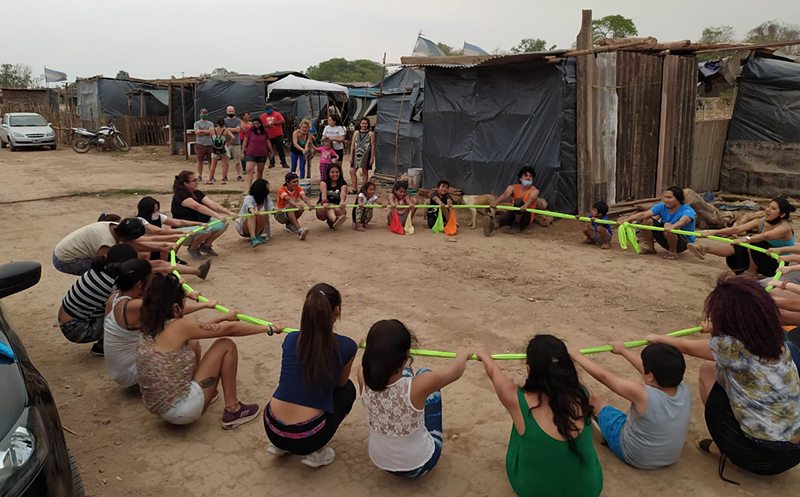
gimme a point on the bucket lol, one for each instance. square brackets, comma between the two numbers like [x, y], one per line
[305, 183]
[415, 177]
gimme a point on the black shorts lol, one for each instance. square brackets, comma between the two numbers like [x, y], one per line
[739, 262]
[659, 237]
[259, 159]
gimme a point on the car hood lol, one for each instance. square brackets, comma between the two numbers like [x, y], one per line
[30, 129]
[12, 386]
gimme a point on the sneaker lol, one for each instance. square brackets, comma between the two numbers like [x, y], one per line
[199, 179]
[204, 267]
[255, 242]
[339, 222]
[245, 414]
[291, 229]
[180, 261]
[605, 246]
[285, 166]
[698, 251]
[330, 224]
[276, 451]
[239, 178]
[515, 229]
[322, 457]
[196, 255]
[488, 225]
[97, 349]
[271, 166]
[208, 250]
[303, 233]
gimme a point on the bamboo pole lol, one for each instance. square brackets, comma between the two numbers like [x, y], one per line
[183, 117]
[397, 132]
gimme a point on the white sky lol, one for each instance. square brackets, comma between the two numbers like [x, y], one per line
[159, 39]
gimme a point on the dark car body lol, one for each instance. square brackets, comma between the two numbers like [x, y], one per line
[28, 411]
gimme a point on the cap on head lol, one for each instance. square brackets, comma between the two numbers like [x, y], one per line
[289, 177]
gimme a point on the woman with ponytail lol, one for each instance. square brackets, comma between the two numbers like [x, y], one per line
[550, 452]
[177, 382]
[314, 392]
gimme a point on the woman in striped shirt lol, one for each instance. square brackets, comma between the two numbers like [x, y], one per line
[82, 310]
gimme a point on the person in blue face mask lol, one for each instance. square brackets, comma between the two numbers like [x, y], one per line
[523, 195]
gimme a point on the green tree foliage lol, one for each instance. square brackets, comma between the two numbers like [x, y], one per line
[221, 71]
[448, 50]
[123, 74]
[531, 45]
[716, 34]
[346, 71]
[774, 31]
[17, 76]
[615, 26]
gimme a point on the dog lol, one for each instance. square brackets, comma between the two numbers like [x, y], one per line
[484, 199]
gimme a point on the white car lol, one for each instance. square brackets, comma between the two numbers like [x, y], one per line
[26, 129]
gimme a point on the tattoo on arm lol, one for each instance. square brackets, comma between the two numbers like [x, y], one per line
[212, 327]
[208, 382]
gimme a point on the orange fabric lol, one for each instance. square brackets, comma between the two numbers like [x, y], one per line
[284, 192]
[452, 225]
[518, 194]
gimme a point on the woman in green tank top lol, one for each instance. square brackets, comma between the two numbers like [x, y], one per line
[550, 452]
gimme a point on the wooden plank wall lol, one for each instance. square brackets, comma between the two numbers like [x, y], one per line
[709, 145]
[148, 130]
[639, 91]
[676, 134]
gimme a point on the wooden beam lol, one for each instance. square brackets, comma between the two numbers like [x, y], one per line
[171, 135]
[183, 117]
[458, 59]
[584, 118]
[666, 134]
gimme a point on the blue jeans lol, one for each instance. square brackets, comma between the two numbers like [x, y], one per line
[302, 160]
[433, 422]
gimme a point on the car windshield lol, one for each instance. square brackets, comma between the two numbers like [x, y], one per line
[26, 121]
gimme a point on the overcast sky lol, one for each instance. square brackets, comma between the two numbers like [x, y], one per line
[159, 39]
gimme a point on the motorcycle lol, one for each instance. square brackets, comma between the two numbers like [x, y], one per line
[106, 136]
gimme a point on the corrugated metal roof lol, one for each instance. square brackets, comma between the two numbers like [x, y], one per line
[464, 61]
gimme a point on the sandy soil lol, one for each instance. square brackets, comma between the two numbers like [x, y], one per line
[484, 293]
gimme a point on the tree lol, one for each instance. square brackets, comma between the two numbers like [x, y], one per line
[448, 50]
[613, 27]
[774, 31]
[345, 71]
[221, 71]
[123, 74]
[531, 45]
[718, 34]
[17, 76]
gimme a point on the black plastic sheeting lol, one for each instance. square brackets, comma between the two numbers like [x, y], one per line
[767, 105]
[483, 124]
[409, 145]
[215, 95]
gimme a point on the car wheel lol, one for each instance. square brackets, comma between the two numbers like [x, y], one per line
[11, 145]
[77, 481]
[53, 147]
[2, 143]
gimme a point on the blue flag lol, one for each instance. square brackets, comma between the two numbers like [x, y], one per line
[470, 49]
[426, 48]
[51, 76]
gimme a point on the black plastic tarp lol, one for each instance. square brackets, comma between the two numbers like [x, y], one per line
[767, 105]
[408, 108]
[402, 79]
[215, 95]
[483, 124]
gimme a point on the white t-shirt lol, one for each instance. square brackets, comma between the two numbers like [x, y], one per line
[250, 203]
[145, 222]
[84, 243]
[335, 132]
[366, 200]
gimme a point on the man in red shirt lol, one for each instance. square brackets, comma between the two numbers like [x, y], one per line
[273, 121]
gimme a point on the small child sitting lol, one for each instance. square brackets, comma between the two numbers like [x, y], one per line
[651, 434]
[442, 197]
[327, 156]
[600, 236]
[363, 215]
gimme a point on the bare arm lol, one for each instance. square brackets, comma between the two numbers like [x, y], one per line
[509, 191]
[629, 355]
[639, 216]
[210, 203]
[346, 373]
[532, 198]
[735, 230]
[505, 389]
[775, 234]
[371, 147]
[695, 348]
[631, 390]
[428, 382]
[181, 223]
[193, 204]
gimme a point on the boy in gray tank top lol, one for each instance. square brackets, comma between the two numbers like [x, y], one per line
[652, 432]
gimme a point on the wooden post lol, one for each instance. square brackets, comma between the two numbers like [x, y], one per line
[584, 121]
[397, 132]
[183, 117]
[666, 139]
[383, 75]
[171, 133]
[141, 103]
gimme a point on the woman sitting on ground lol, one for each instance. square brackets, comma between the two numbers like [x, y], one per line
[75, 252]
[314, 392]
[123, 319]
[332, 193]
[672, 214]
[177, 382]
[551, 450]
[256, 226]
[80, 316]
[190, 204]
[774, 232]
[749, 384]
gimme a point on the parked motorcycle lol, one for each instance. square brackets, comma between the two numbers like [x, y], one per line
[106, 136]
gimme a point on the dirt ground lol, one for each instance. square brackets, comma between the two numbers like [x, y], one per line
[467, 290]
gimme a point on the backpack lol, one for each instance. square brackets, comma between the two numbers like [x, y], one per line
[218, 143]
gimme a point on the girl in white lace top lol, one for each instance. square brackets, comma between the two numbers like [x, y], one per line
[404, 411]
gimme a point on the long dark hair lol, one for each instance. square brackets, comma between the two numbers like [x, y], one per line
[146, 208]
[181, 178]
[388, 343]
[316, 345]
[259, 191]
[129, 229]
[111, 262]
[553, 373]
[739, 307]
[365, 187]
[676, 192]
[132, 272]
[784, 208]
[260, 129]
[328, 173]
[160, 297]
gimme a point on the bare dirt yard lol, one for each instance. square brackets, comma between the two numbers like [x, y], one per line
[467, 290]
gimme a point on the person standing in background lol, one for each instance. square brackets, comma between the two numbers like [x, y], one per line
[273, 121]
[203, 129]
[234, 124]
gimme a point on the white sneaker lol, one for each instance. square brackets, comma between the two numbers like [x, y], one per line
[303, 233]
[276, 451]
[290, 229]
[322, 457]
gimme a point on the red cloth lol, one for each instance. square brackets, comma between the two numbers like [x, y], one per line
[396, 226]
[266, 120]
